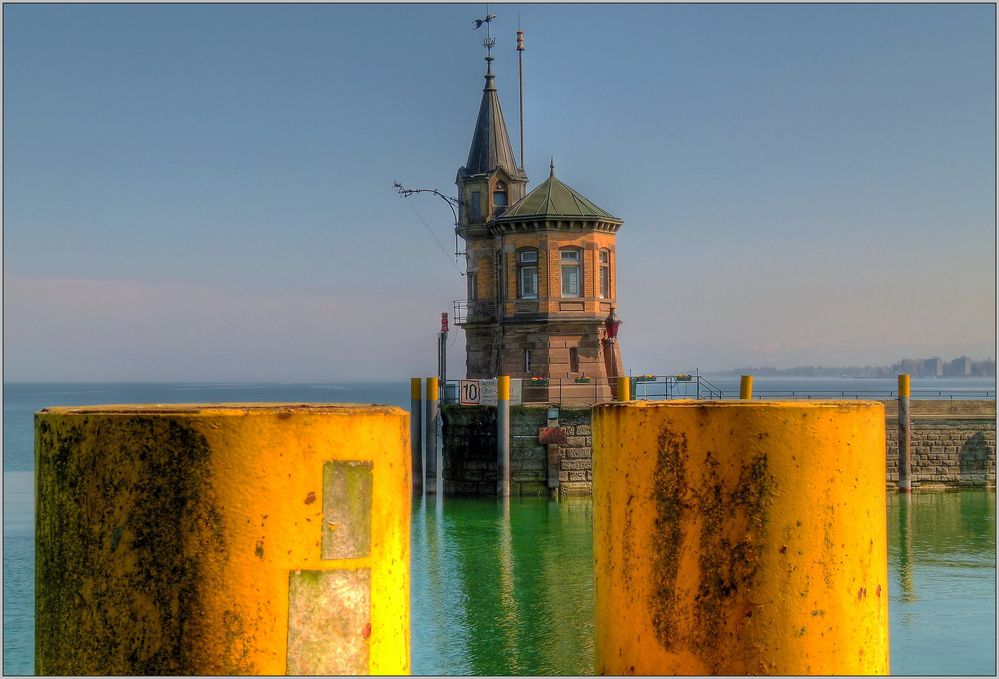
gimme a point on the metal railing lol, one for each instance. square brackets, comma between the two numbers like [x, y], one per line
[568, 390]
[582, 390]
[463, 309]
[872, 394]
[669, 387]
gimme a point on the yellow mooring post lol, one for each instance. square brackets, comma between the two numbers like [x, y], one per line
[416, 430]
[503, 436]
[623, 389]
[740, 537]
[746, 387]
[430, 455]
[222, 539]
[904, 436]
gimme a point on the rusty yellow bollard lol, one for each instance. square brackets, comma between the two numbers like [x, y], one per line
[222, 539]
[740, 538]
[623, 389]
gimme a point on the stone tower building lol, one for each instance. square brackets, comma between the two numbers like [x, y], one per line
[541, 270]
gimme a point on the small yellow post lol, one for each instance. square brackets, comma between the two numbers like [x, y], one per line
[904, 436]
[746, 387]
[623, 389]
[740, 537]
[222, 539]
[904, 386]
[503, 388]
[416, 430]
[432, 425]
[503, 436]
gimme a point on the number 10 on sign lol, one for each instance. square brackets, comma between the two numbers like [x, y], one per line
[469, 392]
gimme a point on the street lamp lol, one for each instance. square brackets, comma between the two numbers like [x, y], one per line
[612, 323]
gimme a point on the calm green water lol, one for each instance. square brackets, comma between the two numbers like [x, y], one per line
[502, 588]
[508, 589]
[942, 582]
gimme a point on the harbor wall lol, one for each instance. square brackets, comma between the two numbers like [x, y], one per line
[470, 450]
[953, 444]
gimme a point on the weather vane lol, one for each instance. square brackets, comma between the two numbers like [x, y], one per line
[489, 42]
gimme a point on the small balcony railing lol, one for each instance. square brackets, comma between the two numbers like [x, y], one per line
[466, 311]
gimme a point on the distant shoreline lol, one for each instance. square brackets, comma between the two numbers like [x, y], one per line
[840, 376]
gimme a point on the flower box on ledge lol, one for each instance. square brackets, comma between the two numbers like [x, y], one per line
[683, 378]
[539, 381]
[645, 378]
[582, 380]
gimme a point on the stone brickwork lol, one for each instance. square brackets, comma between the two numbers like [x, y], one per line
[470, 451]
[576, 456]
[953, 445]
[500, 328]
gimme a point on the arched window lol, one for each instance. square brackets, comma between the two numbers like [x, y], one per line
[571, 269]
[527, 273]
[499, 195]
[605, 274]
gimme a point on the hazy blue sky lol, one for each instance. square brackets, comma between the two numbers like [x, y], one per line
[205, 191]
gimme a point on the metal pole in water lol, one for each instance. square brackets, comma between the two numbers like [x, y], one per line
[416, 429]
[746, 387]
[433, 414]
[904, 436]
[503, 436]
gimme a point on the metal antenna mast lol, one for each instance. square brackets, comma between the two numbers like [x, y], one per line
[520, 66]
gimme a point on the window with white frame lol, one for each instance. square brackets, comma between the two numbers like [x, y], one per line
[527, 274]
[473, 288]
[571, 273]
[605, 274]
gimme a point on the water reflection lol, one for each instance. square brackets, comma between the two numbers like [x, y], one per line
[942, 560]
[506, 587]
[508, 602]
[905, 547]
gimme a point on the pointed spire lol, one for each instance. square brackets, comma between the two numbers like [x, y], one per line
[551, 167]
[491, 146]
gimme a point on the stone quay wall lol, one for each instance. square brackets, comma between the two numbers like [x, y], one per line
[953, 444]
[470, 450]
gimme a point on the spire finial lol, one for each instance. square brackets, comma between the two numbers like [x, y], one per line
[551, 167]
[489, 42]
